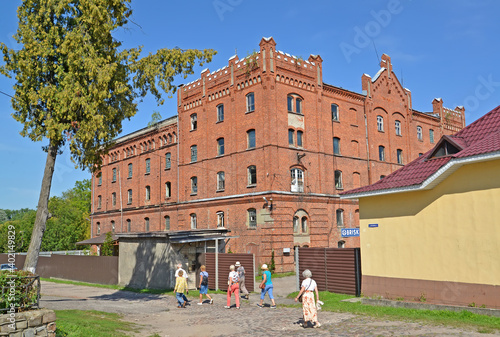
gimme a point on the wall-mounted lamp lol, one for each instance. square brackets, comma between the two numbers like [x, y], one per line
[268, 203]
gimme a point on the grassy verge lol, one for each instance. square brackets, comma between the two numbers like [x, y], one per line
[462, 319]
[278, 275]
[76, 323]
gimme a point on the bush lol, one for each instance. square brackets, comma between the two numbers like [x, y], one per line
[20, 288]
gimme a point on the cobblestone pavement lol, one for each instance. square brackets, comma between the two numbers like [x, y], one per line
[159, 314]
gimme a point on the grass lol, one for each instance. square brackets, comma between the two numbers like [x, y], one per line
[462, 319]
[278, 275]
[76, 323]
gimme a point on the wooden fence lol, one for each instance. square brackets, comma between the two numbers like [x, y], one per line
[224, 261]
[334, 269]
[92, 269]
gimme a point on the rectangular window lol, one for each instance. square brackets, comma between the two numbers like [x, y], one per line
[99, 177]
[290, 103]
[148, 166]
[146, 224]
[251, 139]
[194, 153]
[220, 219]
[298, 105]
[381, 153]
[129, 197]
[397, 125]
[193, 221]
[114, 175]
[299, 138]
[194, 122]
[250, 102]
[291, 133]
[113, 198]
[295, 224]
[148, 193]
[129, 225]
[167, 161]
[431, 136]
[380, 123]
[252, 218]
[130, 171]
[419, 133]
[99, 202]
[167, 223]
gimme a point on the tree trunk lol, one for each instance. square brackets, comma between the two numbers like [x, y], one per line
[42, 212]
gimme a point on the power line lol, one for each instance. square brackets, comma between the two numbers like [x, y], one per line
[1, 92]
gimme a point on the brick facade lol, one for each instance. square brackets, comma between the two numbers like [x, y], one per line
[296, 180]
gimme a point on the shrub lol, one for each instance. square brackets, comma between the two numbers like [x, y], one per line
[20, 289]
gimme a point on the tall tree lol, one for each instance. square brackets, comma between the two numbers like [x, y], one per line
[75, 84]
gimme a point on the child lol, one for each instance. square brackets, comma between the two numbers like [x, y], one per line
[204, 286]
[180, 288]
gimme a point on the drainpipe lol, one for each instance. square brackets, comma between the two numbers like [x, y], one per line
[367, 151]
[121, 199]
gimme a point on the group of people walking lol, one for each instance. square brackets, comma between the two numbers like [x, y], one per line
[236, 284]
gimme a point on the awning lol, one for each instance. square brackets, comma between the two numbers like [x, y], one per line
[200, 239]
[98, 240]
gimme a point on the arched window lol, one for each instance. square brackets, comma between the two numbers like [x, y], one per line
[252, 218]
[399, 155]
[299, 138]
[168, 162]
[380, 123]
[294, 103]
[419, 133]
[167, 223]
[146, 224]
[113, 227]
[304, 227]
[148, 193]
[194, 153]
[336, 145]
[341, 244]
[291, 133]
[168, 189]
[99, 202]
[297, 182]
[129, 225]
[397, 125]
[381, 153]
[129, 197]
[113, 198]
[335, 112]
[113, 179]
[220, 219]
[220, 113]
[148, 166]
[98, 225]
[295, 224]
[194, 185]
[250, 102]
[250, 139]
[99, 179]
[194, 122]
[193, 220]
[221, 181]
[252, 175]
[220, 146]
[340, 217]
[130, 171]
[338, 180]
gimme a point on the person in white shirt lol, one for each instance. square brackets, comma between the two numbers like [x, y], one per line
[179, 268]
[307, 290]
[233, 287]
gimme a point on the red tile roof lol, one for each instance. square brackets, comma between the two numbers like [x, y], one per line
[480, 137]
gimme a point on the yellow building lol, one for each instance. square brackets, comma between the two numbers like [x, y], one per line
[431, 230]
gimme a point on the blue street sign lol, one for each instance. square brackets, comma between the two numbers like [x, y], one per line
[373, 225]
[348, 232]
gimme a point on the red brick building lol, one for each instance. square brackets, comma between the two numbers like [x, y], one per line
[263, 147]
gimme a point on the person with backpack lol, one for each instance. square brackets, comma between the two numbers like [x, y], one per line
[204, 285]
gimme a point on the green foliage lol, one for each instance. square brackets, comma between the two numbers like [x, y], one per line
[69, 223]
[272, 265]
[3, 216]
[76, 323]
[108, 245]
[75, 83]
[155, 118]
[24, 293]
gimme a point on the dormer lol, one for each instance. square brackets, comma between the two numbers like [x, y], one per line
[446, 146]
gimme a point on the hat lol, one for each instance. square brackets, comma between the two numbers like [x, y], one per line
[237, 264]
[264, 266]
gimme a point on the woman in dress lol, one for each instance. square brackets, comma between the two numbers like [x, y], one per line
[307, 290]
[233, 287]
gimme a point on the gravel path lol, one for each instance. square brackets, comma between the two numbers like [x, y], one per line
[159, 314]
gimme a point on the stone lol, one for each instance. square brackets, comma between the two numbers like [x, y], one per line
[29, 333]
[49, 317]
[35, 321]
[21, 324]
[51, 326]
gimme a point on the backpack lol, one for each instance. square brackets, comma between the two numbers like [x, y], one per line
[204, 281]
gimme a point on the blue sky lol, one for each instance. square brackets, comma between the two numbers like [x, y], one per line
[446, 49]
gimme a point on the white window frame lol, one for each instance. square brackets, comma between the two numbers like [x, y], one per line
[335, 112]
[220, 219]
[297, 182]
[380, 123]
[397, 126]
[193, 221]
[419, 133]
[221, 181]
[220, 113]
[250, 100]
